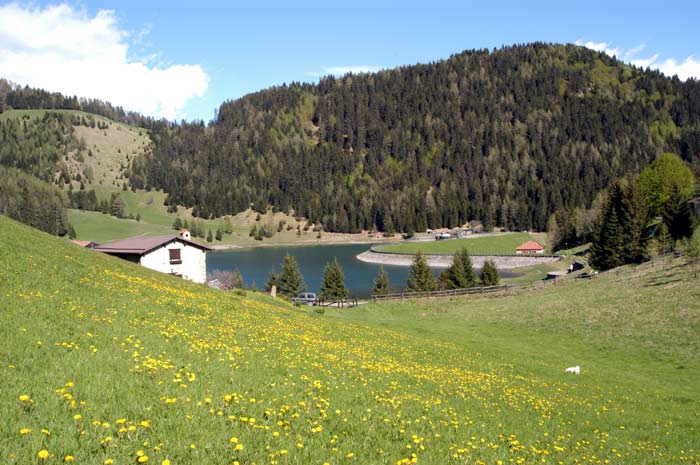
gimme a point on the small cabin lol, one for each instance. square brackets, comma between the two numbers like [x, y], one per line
[530, 248]
[174, 255]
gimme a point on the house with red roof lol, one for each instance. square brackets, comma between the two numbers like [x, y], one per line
[530, 248]
[174, 255]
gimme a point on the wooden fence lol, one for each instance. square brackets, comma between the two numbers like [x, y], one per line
[444, 293]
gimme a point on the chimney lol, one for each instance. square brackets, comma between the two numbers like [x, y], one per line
[185, 234]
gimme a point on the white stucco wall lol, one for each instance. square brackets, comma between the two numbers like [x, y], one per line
[193, 266]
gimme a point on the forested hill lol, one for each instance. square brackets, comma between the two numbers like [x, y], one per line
[506, 137]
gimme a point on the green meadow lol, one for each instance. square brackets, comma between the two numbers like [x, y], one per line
[105, 362]
[497, 244]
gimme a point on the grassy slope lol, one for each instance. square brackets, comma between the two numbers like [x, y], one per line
[118, 359]
[496, 244]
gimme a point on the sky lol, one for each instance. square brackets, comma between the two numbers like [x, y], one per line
[182, 59]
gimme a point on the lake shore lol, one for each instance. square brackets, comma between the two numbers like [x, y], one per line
[444, 261]
[306, 242]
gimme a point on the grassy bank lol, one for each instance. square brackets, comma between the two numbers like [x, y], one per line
[104, 361]
[501, 244]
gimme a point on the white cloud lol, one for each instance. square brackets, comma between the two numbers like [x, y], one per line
[685, 69]
[58, 48]
[343, 70]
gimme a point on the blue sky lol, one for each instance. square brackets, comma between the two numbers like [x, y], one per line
[212, 51]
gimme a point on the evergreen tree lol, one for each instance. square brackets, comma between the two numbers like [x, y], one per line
[219, 234]
[291, 282]
[489, 274]
[177, 224]
[692, 251]
[210, 238]
[460, 274]
[228, 227]
[381, 283]
[633, 221]
[272, 280]
[333, 285]
[678, 214]
[420, 276]
[664, 240]
[607, 248]
[71, 232]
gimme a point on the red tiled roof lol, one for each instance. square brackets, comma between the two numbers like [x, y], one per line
[81, 243]
[143, 244]
[530, 245]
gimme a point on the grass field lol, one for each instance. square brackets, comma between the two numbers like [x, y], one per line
[106, 362]
[482, 245]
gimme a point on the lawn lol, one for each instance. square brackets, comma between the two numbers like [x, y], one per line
[106, 362]
[497, 244]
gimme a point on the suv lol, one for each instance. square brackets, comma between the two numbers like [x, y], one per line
[308, 298]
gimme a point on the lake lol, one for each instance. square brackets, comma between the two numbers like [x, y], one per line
[255, 265]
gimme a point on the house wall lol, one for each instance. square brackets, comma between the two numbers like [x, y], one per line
[193, 266]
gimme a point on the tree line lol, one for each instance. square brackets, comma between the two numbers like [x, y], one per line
[14, 96]
[507, 137]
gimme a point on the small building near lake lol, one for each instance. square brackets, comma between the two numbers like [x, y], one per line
[530, 248]
[168, 254]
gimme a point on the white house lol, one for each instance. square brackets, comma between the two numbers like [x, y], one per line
[168, 254]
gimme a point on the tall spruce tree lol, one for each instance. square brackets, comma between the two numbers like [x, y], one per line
[420, 276]
[291, 281]
[489, 274]
[333, 284]
[664, 240]
[633, 221]
[381, 283]
[607, 248]
[678, 214]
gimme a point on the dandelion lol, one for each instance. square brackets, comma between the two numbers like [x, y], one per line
[68, 458]
[24, 431]
[108, 462]
[24, 398]
[165, 462]
[43, 454]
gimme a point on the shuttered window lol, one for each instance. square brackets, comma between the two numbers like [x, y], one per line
[175, 256]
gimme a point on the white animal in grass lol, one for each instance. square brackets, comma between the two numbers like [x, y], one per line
[575, 370]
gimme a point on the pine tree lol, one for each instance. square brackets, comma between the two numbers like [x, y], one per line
[210, 238]
[381, 283]
[177, 224]
[607, 247]
[692, 251]
[219, 234]
[291, 282]
[678, 215]
[664, 240]
[272, 280]
[420, 277]
[469, 277]
[633, 219]
[333, 285]
[489, 274]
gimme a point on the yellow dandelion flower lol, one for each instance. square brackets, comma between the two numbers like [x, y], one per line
[24, 431]
[142, 459]
[166, 462]
[68, 458]
[24, 398]
[238, 447]
[108, 462]
[77, 417]
[43, 454]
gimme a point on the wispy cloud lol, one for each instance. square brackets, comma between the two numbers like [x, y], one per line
[62, 49]
[684, 69]
[343, 70]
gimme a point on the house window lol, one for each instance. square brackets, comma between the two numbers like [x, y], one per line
[175, 256]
